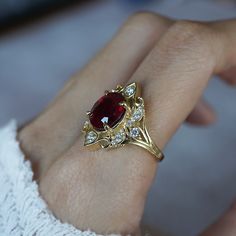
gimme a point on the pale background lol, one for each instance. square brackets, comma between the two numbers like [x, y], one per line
[196, 182]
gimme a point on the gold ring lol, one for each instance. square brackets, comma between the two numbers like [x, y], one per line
[117, 119]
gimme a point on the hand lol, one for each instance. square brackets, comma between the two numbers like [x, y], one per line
[106, 191]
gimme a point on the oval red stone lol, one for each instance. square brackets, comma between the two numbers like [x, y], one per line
[108, 110]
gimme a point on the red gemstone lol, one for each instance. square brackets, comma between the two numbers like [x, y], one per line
[107, 110]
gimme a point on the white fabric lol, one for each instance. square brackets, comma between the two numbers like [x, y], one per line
[22, 210]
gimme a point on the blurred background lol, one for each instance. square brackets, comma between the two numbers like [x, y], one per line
[43, 42]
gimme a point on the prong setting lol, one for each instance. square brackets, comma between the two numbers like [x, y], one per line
[106, 127]
[86, 126]
[88, 113]
[119, 88]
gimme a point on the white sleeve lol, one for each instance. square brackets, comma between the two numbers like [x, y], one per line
[22, 211]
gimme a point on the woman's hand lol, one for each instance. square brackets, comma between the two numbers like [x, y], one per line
[173, 61]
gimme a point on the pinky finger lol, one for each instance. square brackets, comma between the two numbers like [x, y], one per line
[202, 114]
[225, 226]
[229, 76]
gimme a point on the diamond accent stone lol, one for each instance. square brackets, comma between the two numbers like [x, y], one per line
[90, 137]
[138, 114]
[130, 90]
[134, 132]
[130, 123]
[119, 138]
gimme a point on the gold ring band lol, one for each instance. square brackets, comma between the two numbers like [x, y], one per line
[117, 119]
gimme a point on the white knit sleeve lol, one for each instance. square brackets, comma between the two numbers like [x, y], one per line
[22, 211]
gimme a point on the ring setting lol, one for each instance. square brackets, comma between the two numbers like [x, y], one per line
[117, 119]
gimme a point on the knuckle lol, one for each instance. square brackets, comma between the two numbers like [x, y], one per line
[187, 34]
[30, 138]
[190, 26]
[190, 42]
[144, 16]
[26, 137]
[146, 19]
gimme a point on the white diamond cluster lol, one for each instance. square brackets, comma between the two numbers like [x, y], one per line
[133, 131]
[118, 138]
[136, 116]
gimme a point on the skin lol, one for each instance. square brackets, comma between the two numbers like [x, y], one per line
[106, 191]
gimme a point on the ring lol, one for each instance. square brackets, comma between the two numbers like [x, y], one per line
[117, 119]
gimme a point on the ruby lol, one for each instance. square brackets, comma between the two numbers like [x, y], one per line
[107, 109]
